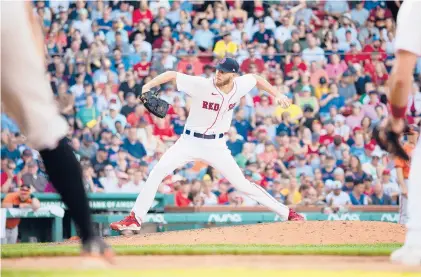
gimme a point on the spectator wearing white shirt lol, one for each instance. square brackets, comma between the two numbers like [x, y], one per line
[389, 187]
[341, 129]
[313, 53]
[209, 198]
[110, 181]
[374, 168]
[105, 74]
[114, 117]
[283, 32]
[237, 32]
[84, 25]
[337, 199]
[139, 46]
[135, 185]
[59, 5]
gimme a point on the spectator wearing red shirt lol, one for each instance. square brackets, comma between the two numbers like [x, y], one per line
[245, 65]
[223, 190]
[182, 196]
[142, 14]
[353, 55]
[297, 62]
[327, 138]
[380, 13]
[164, 130]
[142, 68]
[369, 49]
[166, 36]
[9, 181]
[139, 113]
[190, 61]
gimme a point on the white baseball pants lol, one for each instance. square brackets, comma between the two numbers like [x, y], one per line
[26, 92]
[216, 154]
[413, 235]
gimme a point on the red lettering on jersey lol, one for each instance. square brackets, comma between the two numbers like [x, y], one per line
[231, 106]
[210, 106]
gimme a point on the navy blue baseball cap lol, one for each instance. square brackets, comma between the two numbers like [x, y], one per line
[228, 65]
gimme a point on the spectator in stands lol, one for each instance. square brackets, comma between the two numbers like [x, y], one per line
[292, 194]
[134, 147]
[379, 197]
[32, 179]
[390, 188]
[136, 182]
[349, 184]
[209, 198]
[359, 14]
[100, 160]
[87, 148]
[313, 52]
[10, 181]
[88, 115]
[354, 120]
[110, 181]
[357, 195]
[114, 116]
[91, 183]
[10, 150]
[23, 199]
[338, 200]
[182, 195]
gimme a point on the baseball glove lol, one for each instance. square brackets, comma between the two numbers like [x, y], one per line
[153, 104]
[389, 141]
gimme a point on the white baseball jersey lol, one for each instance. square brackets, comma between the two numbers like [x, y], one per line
[211, 109]
[408, 34]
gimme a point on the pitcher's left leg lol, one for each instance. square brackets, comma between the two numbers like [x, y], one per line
[222, 160]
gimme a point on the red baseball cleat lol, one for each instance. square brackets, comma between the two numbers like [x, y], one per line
[128, 223]
[294, 216]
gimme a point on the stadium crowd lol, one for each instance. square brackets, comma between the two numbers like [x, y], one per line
[331, 58]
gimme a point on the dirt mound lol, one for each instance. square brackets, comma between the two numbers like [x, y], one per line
[285, 233]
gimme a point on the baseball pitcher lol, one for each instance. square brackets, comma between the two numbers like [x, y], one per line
[213, 102]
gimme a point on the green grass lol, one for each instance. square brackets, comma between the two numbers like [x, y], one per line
[48, 250]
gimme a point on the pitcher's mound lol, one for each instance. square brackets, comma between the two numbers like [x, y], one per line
[285, 233]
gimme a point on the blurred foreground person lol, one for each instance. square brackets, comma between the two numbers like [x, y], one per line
[31, 104]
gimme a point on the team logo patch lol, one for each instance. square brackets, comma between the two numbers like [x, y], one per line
[222, 61]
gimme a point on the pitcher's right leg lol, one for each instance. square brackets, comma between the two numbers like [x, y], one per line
[176, 156]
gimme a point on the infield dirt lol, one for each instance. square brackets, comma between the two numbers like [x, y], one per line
[282, 233]
[286, 233]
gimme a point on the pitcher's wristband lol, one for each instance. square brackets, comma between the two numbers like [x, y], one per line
[397, 112]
